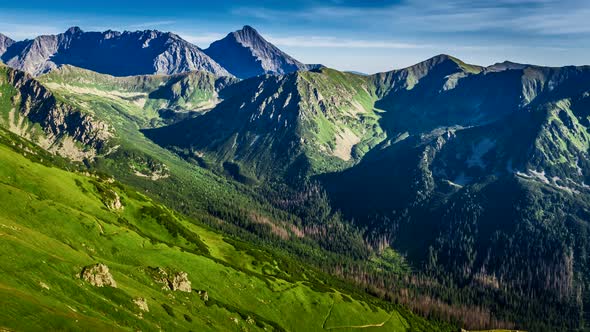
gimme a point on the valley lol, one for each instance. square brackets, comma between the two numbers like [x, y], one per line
[55, 222]
[236, 188]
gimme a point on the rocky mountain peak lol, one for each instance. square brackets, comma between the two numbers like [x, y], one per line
[5, 43]
[248, 28]
[506, 65]
[245, 53]
[74, 31]
[441, 59]
[111, 34]
[110, 52]
[247, 35]
[443, 71]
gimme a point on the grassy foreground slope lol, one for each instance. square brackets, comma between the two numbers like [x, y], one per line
[130, 104]
[55, 222]
[125, 153]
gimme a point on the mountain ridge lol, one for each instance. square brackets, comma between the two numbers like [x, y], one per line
[445, 181]
[307, 120]
[34, 112]
[245, 53]
[5, 43]
[111, 52]
[155, 99]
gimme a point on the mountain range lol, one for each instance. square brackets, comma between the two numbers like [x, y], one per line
[242, 53]
[446, 190]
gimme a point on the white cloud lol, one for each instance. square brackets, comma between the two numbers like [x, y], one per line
[334, 42]
[535, 17]
[151, 24]
[567, 22]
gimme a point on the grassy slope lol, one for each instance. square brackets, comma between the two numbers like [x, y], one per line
[187, 188]
[348, 101]
[55, 222]
[7, 106]
[141, 96]
[275, 125]
[134, 149]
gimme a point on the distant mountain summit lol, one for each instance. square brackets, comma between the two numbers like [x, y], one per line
[506, 65]
[245, 53]
[110, 52]
[5, 43]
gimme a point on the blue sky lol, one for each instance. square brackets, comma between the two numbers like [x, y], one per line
[367, 36]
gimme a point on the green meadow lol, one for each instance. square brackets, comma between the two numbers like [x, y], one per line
[55, 222]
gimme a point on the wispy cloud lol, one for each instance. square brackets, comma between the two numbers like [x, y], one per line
[366, 35]
[533, 17]
[151, 24]
[568, 22]
[540, 17]
[334, 42]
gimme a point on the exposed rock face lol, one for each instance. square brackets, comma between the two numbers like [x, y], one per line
[181, 283]
[62, 124]
[178, 282]
[115, 202]
[5, 43]
[160, 276]
[110, 52]
[98, 275]
[244, 53]
[141, 304]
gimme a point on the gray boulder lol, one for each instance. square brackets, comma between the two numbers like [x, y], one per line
[98, 275]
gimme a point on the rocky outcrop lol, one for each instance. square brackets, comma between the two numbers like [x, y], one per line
[141, 304]
[98, 275]
[111, 52]
[245, 53]
[171, 281]
[160, 276]
[181, 283]
[115, 202]
[109, 197]
[65, 129]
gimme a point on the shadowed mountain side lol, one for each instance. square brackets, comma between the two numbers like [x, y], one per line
[110, 52]
[245, 53]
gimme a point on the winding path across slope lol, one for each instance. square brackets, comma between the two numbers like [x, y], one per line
[353, 326]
